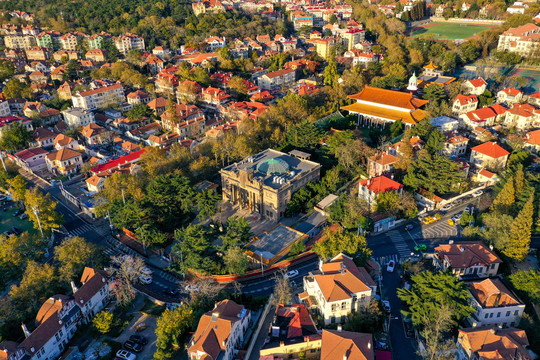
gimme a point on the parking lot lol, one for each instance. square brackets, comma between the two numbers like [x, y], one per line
[8, 221]
[149, 333]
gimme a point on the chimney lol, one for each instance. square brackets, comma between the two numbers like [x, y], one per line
[25, 331]
[461, 248]
[369, 345]
[491, 247]
[74, 287]
[339, 328]
[224, 343]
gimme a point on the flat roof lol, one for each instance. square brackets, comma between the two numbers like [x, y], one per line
[280, 165]
[268, 244]
[327, 201]
[311, 221]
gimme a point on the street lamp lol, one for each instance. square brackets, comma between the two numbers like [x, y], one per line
[36, 211]
[262, 267]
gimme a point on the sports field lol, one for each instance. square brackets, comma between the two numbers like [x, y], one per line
[449, 31]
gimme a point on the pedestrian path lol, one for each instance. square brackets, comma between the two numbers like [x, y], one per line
[81, 230]
[384, 260]
[399, 243]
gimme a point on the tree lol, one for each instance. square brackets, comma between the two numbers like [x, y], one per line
[505, 198]
[368, 318]
[466, 219]
[334, 243]
[396, 128]
[14, 137]
[35, 200]
[172, 326]
[126, 273]
[436, 174]
[528, 282]
[74, 254]
[306, 135]
[297, 247]
[103, 322]
[282, 289]
[431, 291]
[206, 204]
[17, 188]
[195, 247]
[15, 252]
[520, 232]
[238, 85]
[434, 93]
[437, 347]
[7, 70]
[435, 142]
[139, 111]
[235, 260]
[519, 179]
[16, 89]
[238, 232]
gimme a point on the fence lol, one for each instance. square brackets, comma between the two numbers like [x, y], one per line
[467, 21]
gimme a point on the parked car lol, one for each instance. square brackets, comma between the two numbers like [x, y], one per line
[409, 227]
[477, 193]
[16, 230]
[457, 201]
[391, 266]
[291, 274]
[170, 292]
[139, 339]
[140, 327]
[126, 355]
[145, 279]
[146, 271]
[8, 233]
[386, 305]
[447, 207]
[131, 345]
[23, 216]
[408, 327]
[469, 209]
[17, 213]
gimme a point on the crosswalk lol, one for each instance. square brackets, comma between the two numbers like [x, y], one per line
[80, 230]
[384, 260]
[399, 242]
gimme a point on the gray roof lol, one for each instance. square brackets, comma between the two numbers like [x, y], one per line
[76, 111]
[270, 243]
[271, 165]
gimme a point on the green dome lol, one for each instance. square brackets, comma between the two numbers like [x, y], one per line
[273, 166]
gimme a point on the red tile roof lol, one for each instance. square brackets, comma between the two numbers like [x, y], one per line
[491, 149]
[478, 82]
[133, 157]
[466, 99]
[28, 153]
[533, 137]
[511, 91]
[380, 184]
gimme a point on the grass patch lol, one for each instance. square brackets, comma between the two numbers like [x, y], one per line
[8, 221]
[450, 31]
[153, 309]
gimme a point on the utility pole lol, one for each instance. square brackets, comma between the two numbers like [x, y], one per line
[2, 159]
[262, 266]
[123, 197]
[36, 211]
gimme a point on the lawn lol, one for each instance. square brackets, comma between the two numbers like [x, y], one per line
[450, 31]
[7, 221]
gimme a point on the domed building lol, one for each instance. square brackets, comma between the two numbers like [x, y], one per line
[263, 183]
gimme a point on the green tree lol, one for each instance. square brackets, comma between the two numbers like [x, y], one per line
[74, 254]
[103, 322]
[16, 252]
[195, 247]
[206, 204]
[436, 174]
[7, 70]
[297, 247]
[435, 142]
[15, 137]
[139, 111]
[334, 243]
[520, 232]
[466, 219]
[505, 198]
[369, 318]
[396, 128]
[431, 291]
[528, 282]
[49, 219]
[306, 135]
[17, 188]
[16, 89]
[519, 179]
[172, 327]
[330, 71]
[238, 232]
[235, 260]
[434, 93]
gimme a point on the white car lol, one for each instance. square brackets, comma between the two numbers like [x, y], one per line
[127, 258]
[447, 207]
[386, 305]
[192, 288]
[146, 271]
[477, 193]
[291, 274]
[391, 266]
[145, 279]
[124, 354]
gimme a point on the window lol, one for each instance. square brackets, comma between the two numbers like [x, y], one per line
[499, 314]
[491, 315]
[508, 313]
[516, 313]
[486, 316]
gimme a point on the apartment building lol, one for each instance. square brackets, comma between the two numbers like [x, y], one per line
[455, 145]
[99, 98]
[76, 117]
[489, 155]
[19, 41]
[127, 42]
[277, 79]
[524, 40]
[64, 161]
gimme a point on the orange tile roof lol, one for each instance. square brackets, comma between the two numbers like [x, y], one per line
[389, 97]
[463, 255]
[511, 91]
[339, 345]
[524, 110]
[214, 329]
[486, 173]
[491, 149]
[533, 137]
[491, 343]
[492, 293]
[341, 285]
[466, 99]
[63, 154]
[478, 82]
[277, 73]
[157, 103]
[100, 90]
[63, 140]
[381, 184]
[385, 113]
[384, 158]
